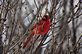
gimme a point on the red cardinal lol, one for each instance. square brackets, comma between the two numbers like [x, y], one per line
[40, 28]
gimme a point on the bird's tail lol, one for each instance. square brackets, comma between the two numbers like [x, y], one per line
[28, 39]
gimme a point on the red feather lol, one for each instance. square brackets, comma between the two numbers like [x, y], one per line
[25, 43]
[40, 28]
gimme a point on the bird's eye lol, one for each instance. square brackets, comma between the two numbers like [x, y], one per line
[44, 18]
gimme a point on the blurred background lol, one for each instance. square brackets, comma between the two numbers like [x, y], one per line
[18, 16]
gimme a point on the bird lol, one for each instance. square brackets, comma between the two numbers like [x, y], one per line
[40, 28]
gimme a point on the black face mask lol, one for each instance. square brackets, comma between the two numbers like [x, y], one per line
[45, 17]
